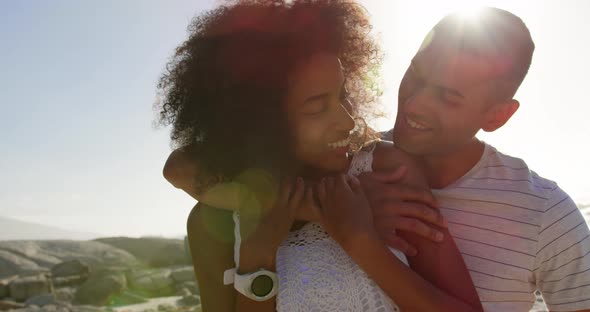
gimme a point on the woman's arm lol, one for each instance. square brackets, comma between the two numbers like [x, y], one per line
[262, 235]
[410, 291]
[346, 215]
[250, 261]
[211, 239]
[440, 263]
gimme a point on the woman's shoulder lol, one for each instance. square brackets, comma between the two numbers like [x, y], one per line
[387, 156]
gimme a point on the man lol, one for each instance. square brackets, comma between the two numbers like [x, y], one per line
[517, 232]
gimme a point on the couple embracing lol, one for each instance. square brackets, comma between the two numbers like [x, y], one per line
[302, 207]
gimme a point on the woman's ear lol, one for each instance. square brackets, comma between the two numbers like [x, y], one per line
[499, 114]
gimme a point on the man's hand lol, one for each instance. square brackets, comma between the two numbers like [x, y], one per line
[401, 207]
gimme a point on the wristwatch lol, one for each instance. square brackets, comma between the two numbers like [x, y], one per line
[258, 286]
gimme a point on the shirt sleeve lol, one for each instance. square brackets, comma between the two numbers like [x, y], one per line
[387, 135]
[562, 263]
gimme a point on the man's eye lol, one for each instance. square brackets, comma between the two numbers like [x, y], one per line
[451, 103]
[447, 98]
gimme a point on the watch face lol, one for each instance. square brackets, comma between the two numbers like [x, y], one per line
[262, 285]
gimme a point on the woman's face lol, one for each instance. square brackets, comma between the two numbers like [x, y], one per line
[318, 114]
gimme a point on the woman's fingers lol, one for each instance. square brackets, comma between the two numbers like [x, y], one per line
[377, 190]
[355, 184]
[309, 202]
[385, 209]
[342, 183]
[387, 225]
[394, 241]
[296, 198]
[321, 191]
[285, 191]
[390, 176]
[330, 183]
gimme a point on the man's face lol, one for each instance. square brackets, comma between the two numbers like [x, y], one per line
[443, 100]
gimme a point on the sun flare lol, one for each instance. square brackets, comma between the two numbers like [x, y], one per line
[470, 12]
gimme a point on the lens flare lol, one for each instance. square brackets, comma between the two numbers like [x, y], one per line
[470, 13]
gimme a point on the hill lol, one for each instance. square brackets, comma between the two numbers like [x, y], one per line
[11, 229]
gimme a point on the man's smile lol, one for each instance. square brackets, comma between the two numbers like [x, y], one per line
[414, 124]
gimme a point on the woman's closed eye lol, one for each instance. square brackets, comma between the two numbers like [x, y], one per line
[315, 106]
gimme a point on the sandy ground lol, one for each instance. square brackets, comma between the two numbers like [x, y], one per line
[153, 304]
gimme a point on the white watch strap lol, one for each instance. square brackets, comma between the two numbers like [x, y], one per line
[229, 274]
[238, 238]
[243, 283]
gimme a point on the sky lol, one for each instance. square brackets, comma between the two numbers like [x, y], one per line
[78, 145]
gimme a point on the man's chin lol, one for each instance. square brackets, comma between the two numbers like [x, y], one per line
[400, 141]
[407, 146]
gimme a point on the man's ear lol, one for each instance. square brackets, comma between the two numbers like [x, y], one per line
[499, 114]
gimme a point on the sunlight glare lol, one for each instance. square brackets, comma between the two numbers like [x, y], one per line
[470, 12]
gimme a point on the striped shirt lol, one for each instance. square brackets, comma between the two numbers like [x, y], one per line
[518, 233]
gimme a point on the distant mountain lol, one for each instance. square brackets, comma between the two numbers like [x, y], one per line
[11, 229]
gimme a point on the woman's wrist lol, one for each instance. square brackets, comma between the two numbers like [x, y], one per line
[252, 259]
[355, 242]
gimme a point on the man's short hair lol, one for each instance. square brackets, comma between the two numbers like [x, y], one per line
[493, 32]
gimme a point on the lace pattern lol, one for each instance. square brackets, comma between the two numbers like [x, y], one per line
[316, 274]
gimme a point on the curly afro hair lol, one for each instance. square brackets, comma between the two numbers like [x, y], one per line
[223, 89]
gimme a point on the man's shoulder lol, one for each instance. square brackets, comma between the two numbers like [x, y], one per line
[510, 171]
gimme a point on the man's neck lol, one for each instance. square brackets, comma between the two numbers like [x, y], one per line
[443, 170]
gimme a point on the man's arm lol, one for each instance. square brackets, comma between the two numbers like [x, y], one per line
[563, 255]
[184, 172]
[181, 171]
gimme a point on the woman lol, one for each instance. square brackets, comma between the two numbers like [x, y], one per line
[257, 94]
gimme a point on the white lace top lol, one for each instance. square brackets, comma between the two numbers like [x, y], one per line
[316, 274]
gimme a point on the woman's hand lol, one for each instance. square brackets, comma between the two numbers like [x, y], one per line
[344, 210]
[402, 207]
[262, 230]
